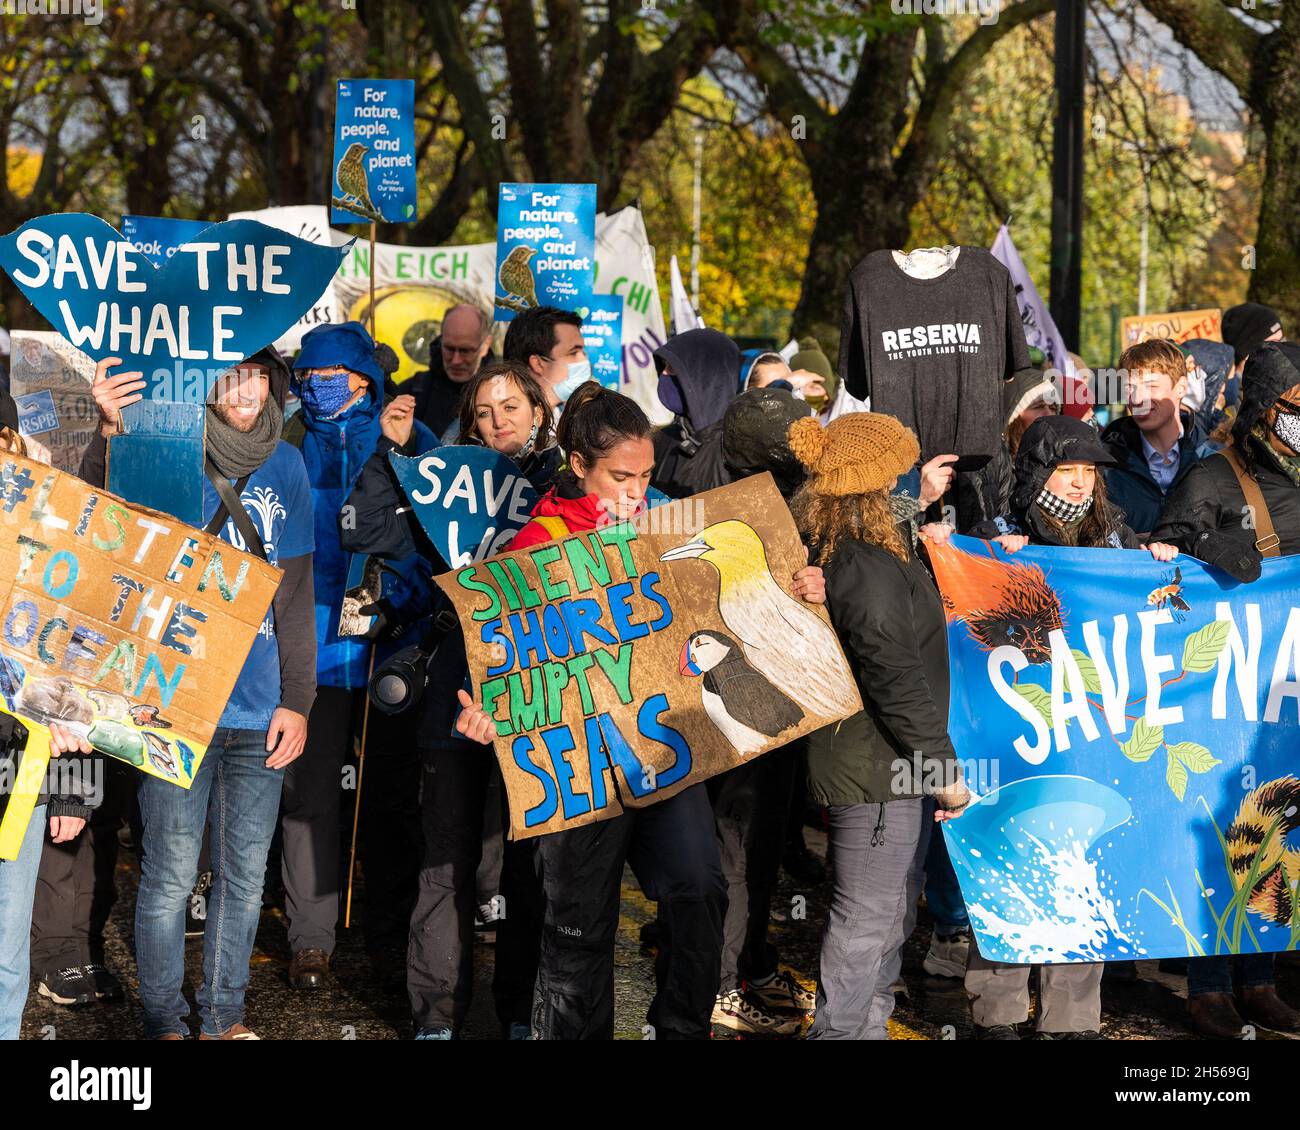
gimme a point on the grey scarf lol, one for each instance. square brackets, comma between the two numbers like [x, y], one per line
[237, 453]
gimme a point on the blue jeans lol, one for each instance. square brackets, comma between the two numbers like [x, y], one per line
[1214, 974]
[17, 892]
[942, 894]
[238, 797]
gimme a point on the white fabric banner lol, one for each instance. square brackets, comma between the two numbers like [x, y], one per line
[415, 286]
[684, 316]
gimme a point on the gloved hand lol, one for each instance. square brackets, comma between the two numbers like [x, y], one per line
[1232, 551]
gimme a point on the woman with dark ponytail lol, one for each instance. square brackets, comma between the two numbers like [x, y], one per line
[672, 845]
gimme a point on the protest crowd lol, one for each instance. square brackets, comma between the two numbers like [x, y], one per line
[936, 418]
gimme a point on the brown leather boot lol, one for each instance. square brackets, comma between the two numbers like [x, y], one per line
[1261, 1005]
[309, 969]
[1215, 1016]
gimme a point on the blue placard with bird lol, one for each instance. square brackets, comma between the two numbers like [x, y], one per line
[374, 151]
[546, 247]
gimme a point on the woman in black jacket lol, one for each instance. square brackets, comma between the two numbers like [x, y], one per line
[877, 770]
[1058, 499]
[504, 408]
[1231, 510]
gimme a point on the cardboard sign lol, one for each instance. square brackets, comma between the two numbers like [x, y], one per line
[157, 238]
[1178, 327]
[217, 301]
[374, 151]
[1132, 728]
[118, 623]
[43, 364]
[602, 334]
[546, 246]
[469, 500]
[626, 663]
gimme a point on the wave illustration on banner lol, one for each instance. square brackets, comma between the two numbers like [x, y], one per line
[1133, 727]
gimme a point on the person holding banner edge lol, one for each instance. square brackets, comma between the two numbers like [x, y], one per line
[1233, 509]
[672, 845]
[1059, 499]
[506, 409]
[264, 726]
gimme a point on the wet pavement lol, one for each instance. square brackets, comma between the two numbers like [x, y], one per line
[355, 1005]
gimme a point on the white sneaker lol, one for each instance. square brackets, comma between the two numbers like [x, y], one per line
[743, 1013]
[948, 955]
[784, 991]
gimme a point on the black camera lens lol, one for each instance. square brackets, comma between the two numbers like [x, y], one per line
[399, 684]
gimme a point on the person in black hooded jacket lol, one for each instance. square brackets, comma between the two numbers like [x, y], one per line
[1211, 516]
[699, 371]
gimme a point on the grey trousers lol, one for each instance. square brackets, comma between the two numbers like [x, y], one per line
[1069, 996]
[310, 822]
[878, 864]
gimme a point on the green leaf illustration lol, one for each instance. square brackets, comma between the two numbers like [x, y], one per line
[1088, 669]
[1038, 698]
[1195, 758]
[1143, 742]
[1176, 775]
[1201, 649]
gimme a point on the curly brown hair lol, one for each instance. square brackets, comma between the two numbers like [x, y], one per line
[827, 520]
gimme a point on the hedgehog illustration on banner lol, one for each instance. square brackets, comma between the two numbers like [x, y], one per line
[1257, 842]
[784, 641]
[1002, 603]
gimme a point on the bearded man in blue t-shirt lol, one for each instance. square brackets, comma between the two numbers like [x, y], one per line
[236, 791]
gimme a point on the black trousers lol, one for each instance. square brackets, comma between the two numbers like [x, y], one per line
[76, 884]
[440, 954]
[750, 806]
[309, 821]
[672, 847]
[390, 841]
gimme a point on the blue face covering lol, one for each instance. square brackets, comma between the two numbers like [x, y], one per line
[579, 374]
[325, 396]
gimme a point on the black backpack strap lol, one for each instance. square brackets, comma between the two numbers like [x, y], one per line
[232, 506]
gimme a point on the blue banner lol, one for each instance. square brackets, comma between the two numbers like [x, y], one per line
[1132, 729]
[219, 299]
[470, 501]
[546, 247]
[157, 237]
[602, 333]
[374, 151]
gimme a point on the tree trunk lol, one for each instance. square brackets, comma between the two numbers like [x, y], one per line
[1276, 279]
[856, 215]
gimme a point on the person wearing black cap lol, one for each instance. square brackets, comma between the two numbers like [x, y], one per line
[1257, 475]
[264, 726]
[1058, 499]
[1247, 326]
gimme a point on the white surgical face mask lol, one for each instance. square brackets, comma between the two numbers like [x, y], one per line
[579, 374]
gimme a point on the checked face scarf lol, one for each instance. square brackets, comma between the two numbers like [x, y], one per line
[1057, 507]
